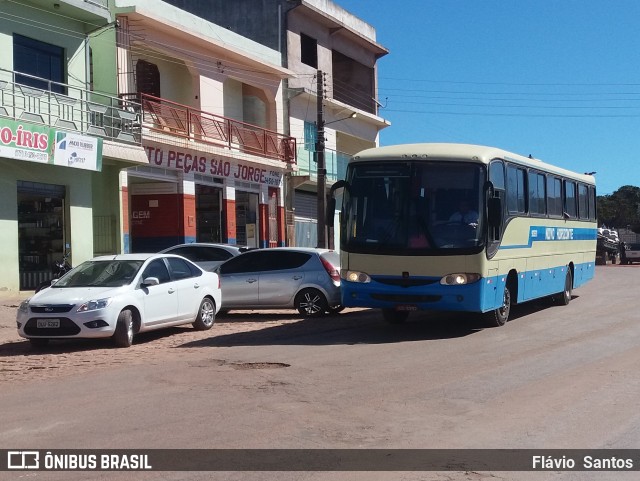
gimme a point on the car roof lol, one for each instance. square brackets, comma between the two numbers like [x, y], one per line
[126, 257]
[134, 257]
[229, 247]
[309, 250]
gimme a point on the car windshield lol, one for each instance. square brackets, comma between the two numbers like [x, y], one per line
[108, 273]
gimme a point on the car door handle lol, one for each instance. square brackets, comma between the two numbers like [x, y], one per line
[251, 281]
[297, 278]
[171, 291]
[196, 286]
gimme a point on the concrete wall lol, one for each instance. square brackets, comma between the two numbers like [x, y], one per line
[79, 219]
[38, 24]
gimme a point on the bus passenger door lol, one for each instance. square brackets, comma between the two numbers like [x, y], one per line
[492, 287]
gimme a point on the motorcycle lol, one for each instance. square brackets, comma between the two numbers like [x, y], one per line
[60, 268]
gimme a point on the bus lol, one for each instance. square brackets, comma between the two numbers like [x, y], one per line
[527, 230]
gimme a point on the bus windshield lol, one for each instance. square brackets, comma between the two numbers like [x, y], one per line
[413, 207]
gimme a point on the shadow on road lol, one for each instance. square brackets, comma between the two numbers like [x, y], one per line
[358, 327]
[362, 327]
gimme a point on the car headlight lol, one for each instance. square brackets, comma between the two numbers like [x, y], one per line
[355, 276]
[459, 279]
[94, 305]
[24, 306]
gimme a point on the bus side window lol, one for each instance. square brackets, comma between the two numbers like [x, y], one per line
[497, 178]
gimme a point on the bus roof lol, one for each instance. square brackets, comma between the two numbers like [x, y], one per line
[460, 152]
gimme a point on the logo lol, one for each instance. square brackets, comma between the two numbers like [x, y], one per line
[23, 460]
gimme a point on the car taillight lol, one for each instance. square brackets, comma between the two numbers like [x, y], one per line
[331, 270]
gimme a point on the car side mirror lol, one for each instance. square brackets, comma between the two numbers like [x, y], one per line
[150, 281]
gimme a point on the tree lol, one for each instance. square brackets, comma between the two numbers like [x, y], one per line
[620, 209]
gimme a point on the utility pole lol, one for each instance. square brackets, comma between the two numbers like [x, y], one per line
[321, 170]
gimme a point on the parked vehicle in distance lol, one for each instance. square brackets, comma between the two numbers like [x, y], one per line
[60, 268]
[307, 279]
[206, 255]
[119, 296]
[632, 253]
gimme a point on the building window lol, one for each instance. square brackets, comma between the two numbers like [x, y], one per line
[38, 59]
[310, 136]
[308, 50]
[147, 78]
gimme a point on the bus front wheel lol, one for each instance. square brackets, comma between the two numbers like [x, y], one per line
[499, 317]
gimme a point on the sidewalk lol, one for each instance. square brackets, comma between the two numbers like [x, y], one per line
[8, 305]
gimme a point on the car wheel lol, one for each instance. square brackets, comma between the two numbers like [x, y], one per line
[206, 315]
[311, 303]
[394, 317]
[39, 342]
[499, 317]
[123, 337]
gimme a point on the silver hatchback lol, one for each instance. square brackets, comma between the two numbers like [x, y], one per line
[306, 279]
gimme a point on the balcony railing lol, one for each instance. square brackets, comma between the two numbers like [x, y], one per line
[66, 107]
[335, 163]
[164, 116]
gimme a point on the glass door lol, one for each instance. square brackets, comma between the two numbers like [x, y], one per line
[41, 231]
[208, 213]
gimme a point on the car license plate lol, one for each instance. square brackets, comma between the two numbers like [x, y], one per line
[406, 307]
[47, 323]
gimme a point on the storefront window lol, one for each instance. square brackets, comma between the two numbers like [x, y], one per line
[41, 231]
[246, 219]
[208, 214]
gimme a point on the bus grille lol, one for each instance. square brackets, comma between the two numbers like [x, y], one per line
[405, 282]
[405, 298]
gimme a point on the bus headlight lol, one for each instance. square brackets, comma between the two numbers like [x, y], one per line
[459, 279]
[355, 276]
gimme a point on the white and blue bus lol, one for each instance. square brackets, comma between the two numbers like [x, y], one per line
[527, 230]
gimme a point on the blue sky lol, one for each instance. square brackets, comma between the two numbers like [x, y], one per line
[559, 80]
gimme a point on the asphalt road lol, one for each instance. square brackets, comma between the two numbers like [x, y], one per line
[553, 377]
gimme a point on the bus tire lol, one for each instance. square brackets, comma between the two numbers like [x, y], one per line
[499, 317]
[394, 317]
[565, 296]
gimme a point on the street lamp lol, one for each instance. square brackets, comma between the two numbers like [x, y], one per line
[322, 175]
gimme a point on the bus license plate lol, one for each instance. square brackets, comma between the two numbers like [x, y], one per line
[406, 307]
[47, 323]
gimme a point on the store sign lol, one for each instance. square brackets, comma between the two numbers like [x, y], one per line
[79, 151]
[216, 166]
[36, 143]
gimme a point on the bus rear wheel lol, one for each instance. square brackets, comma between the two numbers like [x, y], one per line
[499, 317]
[565, 297]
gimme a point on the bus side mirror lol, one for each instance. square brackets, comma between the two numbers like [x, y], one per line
[331, 202]
[494, 212]
[331, 208]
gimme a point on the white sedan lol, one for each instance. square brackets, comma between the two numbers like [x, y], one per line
[119, 296]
